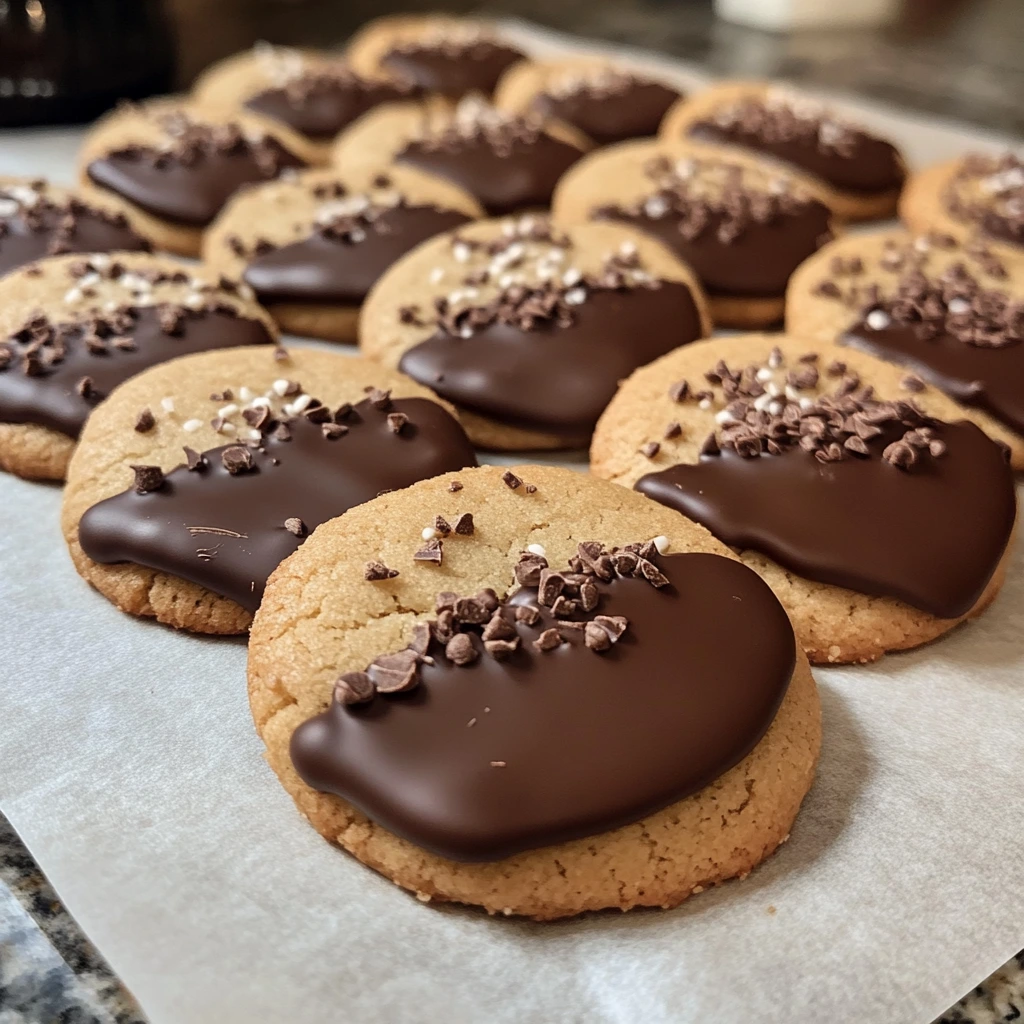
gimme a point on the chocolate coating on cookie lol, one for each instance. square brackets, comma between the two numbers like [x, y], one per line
[231, 516]
[607, 105]
[582, 721]
[463, 63]
[849, 491]
[507, 163]
[845, 156]
[188, 181]
[346, 253]
[34, 224]
[320, 103]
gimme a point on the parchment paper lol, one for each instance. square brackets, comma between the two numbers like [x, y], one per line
[129, 765]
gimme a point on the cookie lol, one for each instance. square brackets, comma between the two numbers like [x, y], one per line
[451, 57]
[879, 515]
[687, 753]
[608, 102]
[861, 174]
[527, 328]
[38, 219]
[196, 478]
[172, 165]
[312, 246]
[951, 313]
[976, 194]
[742, 225]
[72, 328]
[509, 163]
[313, 93]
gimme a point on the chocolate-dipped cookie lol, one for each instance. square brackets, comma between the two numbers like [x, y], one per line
[977, 194]
[314, 93]
[950, 312]
[450, 57]
[527, 328]
[591, 717]
[861, 173]
[173, 164]
[742, 225]
[877, 512]
[196, 478]
[312, 246]
[607, 102]
[38, 219]
[509, 163]
[72, 328]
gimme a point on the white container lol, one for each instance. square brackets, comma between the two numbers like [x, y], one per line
[783, 15]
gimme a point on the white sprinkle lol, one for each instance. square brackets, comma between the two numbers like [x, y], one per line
[227, 428]
[774, 389]
[724, 416]
[958, 305]
[245, 394]
[88, 280]
[245, 292]
[254, 434]
[301, 402]
[572, 276]
[536, 549]
[704, 403]
[661, 543]
[260, 402]
[762, 402]
[73, 295]
[806, 403]
[775, 408]
[922, 244]
[436, 275]
[628, 249]
[656, 207]
[167, 404]
[191, 425]
[8, 207]
[575, 296]
[792, 394]
[228, 410]
[878, 320]
[194, 300]
[764, 374]
[466, 332]
[280, 387]
[461, 252]
[428, 533]
[100, 261]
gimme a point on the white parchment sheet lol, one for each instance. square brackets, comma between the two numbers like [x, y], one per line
[129, 765]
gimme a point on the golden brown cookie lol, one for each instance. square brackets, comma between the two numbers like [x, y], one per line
[743, 225]
[75, 327]
[321, 617]
[976, 194]
[312, 246]
[312, 92]
[509, 163]
[861, 173]
[227, 520]
[450, 57]
[607, 101]
[878, 529]
[527, 328]
[172, 164]
[38, 219]
[948, 312]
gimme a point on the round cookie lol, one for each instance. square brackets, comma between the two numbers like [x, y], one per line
[312, 246]
[949, 312]
[606, 101]
[451, 57]
[861, 174]
[976, 194]
[72, 328]
[314, 93]
[172, 164]
[38, 219]
[321, 618]
[872, 540]
[508, 163]
[527, 328]
[249, 493]
[742, 225]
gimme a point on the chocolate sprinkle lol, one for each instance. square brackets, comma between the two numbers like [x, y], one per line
[378, 571]
[432, 551]
[354, 688]
[147, 478]
[145, 421]
[295, 526]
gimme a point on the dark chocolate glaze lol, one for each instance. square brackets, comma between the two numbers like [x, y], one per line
[590, 741]
[327, 104]
[931, 535]
[991, 379]
[477, 69]
[51, 400]
[759, 262]
[873, 165]
[315, 479]
[558, 379]
[189, 193]
[92, 232]
[522, 178]
[632, 113]
[321, 268]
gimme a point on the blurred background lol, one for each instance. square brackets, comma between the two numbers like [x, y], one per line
[67, 60]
